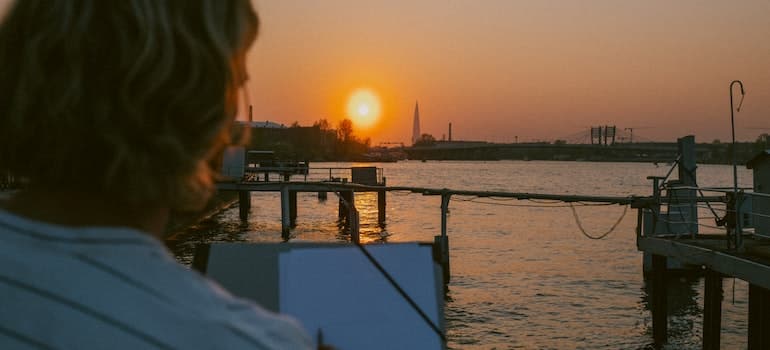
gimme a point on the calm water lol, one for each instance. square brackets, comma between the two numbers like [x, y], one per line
[523, 275]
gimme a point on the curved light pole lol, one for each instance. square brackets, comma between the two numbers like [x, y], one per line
[738, 238]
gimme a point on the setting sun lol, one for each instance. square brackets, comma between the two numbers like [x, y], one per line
[363, 108]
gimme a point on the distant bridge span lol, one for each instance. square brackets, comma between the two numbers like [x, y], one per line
[657, 152]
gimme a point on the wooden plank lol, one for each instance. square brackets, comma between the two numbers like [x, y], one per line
[724, 262]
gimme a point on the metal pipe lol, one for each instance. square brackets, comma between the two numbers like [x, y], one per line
[732, 125]
[738, 230]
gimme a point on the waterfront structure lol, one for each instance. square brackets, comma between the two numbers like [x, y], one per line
[760, 204]
[667, 237]
[664, 234]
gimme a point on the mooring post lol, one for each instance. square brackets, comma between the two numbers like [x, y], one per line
[381, 204]
[712, 310]
[351, 210]
[244, 204]
[322, 196]
[355, 226]
[687, 176]
[442, 241]
[285, 213]
[293, 208]
[659, 302]
[346, 203]
[759, 317]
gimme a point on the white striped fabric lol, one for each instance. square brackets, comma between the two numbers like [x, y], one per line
[117, 288]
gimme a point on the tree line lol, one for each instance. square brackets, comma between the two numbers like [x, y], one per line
[318, 142]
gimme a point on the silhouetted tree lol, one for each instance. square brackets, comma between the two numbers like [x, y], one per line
[762, 143]
[345, 130]
[322, 124]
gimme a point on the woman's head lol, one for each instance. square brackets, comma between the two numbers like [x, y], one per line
[131, 99]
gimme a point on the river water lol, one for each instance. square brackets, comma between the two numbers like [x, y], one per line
[523, 274]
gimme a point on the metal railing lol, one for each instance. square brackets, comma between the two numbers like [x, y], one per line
[310, 174]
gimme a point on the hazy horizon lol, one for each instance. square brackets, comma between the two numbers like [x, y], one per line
[500, 69]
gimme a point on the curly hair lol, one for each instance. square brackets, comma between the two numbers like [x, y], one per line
[132, 99]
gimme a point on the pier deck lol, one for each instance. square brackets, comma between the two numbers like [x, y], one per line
[711, 252]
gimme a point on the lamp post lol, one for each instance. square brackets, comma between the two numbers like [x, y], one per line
[738, 238]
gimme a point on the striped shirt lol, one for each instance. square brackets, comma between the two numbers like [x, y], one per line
[118, 288]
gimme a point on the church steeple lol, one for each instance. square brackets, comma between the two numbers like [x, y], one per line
[416, 127]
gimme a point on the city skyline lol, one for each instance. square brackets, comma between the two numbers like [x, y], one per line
[504, 69]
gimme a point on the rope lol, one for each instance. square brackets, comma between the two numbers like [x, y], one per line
[589, 236]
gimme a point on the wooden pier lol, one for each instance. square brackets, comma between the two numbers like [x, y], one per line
[742, 252]
[667, 231]
[344, 182]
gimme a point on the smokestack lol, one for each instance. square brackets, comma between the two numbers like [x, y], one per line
[450, 132]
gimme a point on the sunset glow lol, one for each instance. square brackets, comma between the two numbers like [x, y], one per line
[363, 108]
[515, 71]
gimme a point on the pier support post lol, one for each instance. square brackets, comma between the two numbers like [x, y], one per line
[759, 317]
[441, 246]
[351, 208]
[293, 208]
[687, 176]
[712, 310]
[346, 203]
[442, 241]
[322, 196]
[355, 226]
[244, 204]
[285, 216]
[381, 205]
[659, 302]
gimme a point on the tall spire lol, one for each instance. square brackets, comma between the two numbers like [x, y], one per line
[416, 127]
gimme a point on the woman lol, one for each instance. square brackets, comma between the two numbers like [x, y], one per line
[113, 114]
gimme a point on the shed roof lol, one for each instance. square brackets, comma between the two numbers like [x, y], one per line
[765, 155]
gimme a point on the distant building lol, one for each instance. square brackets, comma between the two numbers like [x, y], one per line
[416, 126]
[265, 124]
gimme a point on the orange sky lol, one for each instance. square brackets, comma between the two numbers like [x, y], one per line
[501, 69]
[498, 69]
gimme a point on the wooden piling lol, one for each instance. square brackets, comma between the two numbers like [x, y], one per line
[759, 317]
[441, 244]
[346, 203]
[712, 310]
[443, 240]
[381, 206]
[244, 204]
[351, 208]
[293, 208]
[355, 227]
[659, 302]
[322, 196]
[285, 213]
